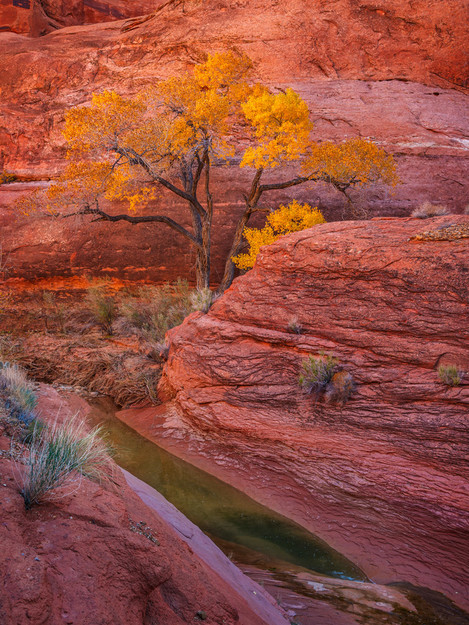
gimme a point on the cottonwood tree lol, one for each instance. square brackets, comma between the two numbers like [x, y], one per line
[170, 137]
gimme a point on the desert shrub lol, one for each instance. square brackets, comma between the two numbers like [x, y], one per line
[295, 326]
[324, 375]
[103, 307]
[427, 209]
[155, 310]
[202, 299]
[340, 388]
[52, 308]
[62, 453]
[17, 393]
[316, 373]
[450, 375]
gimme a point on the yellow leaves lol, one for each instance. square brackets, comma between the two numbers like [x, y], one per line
[83, 182]
[294, 217]
[98, 125]
[356, 161]
[200, 104]
[284, 220]
[281, 128]
[222, 70]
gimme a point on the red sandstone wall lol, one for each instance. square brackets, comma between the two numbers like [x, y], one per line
[38, 17]
[394, 72]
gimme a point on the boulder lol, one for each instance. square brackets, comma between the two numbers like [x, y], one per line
[383, 477]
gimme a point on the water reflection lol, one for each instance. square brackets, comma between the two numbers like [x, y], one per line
[234, 521]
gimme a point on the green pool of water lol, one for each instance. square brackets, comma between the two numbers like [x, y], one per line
[241, 527]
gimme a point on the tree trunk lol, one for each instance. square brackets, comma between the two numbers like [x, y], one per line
[236, 246]
[202, 263]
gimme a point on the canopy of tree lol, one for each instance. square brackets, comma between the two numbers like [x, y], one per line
[172, 134]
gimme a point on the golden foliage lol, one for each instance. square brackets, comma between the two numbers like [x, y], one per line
[284, 220]
[355, 161]
[281, 126]
[129, 142]
[90, 129]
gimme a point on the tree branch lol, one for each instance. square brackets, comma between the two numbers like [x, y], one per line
[103, 216]
[286, 184]
[136, 159]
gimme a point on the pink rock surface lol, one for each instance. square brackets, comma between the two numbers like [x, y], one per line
[383, 479]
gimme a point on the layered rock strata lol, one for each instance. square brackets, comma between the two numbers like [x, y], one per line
[383, 478]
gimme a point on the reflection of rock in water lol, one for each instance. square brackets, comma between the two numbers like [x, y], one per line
[221, 511]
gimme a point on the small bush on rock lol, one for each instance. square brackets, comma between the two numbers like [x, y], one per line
[450, 375]
[295, 326]
[427, 209]
[62, 453]
[323, 374]
[317, 373]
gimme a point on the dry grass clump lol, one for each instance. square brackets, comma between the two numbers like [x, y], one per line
[60, 454]
[427, 209]
[323, 375]
[103, 307]
[316, 373]
[155, 310]
[450, 375]
[17, 393]
[295, 326]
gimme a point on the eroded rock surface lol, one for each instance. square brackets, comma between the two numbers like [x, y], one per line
[384, 479]
[39, 17]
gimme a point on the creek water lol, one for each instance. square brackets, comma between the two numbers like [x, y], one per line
[245, 530]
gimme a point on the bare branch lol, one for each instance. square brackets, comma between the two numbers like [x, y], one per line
[137, 159]
[134, 219]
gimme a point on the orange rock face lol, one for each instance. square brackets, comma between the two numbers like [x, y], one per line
[382, 478]
[38, 17]
[394, 74]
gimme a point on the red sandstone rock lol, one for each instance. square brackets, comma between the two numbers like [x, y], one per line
[383, 479]
[39, 17]
[77, 561]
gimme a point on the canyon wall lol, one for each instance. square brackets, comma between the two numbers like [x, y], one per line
[39, 17]
[383, 478]
[396, 74]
